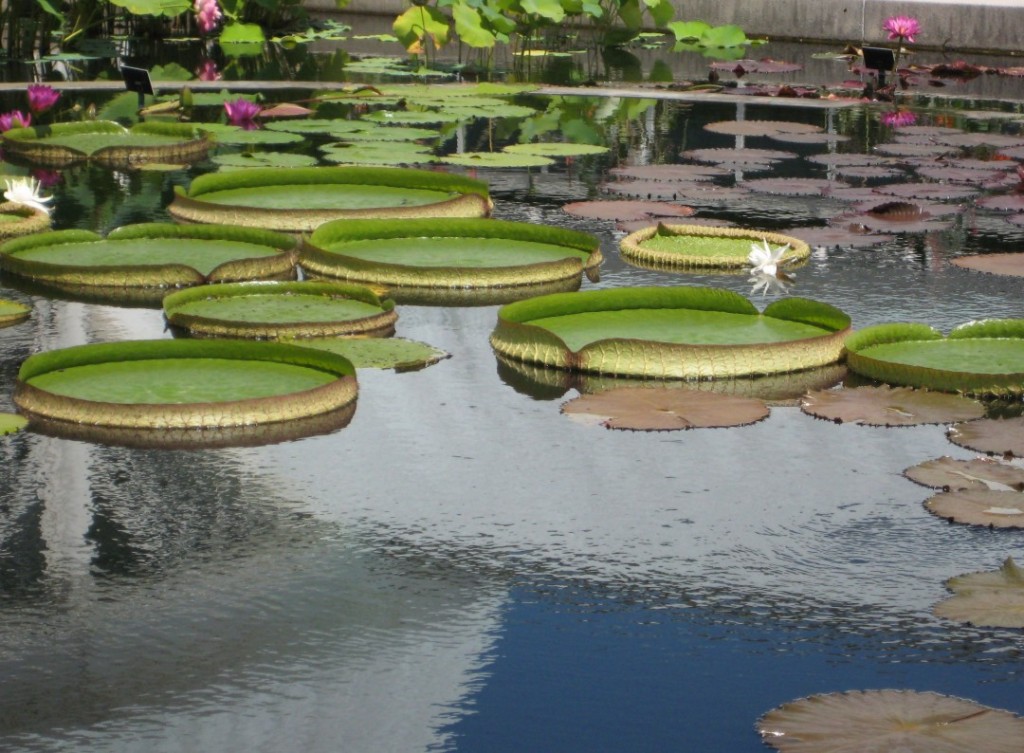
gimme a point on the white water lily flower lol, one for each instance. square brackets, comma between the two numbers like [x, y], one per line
[764, 258]
[25, 191]
[770, 283]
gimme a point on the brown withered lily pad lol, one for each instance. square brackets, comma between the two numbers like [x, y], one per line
[995, 436]
[996, 264]
[950, 474]
[632, 226]
[739, 156]
[847, 160]
[651, 190]
[890, 720]
[793, 186]
[626, 210]
[666, 409]
[979, 138]
[897, 210]
[1009, 202]
[987, 599]
[759, 127]
[924, 130]
[809, 138]
[867, 172]
[668, 172]
[951, 174]
[928, 191]
[857, 193]
[913, 149]
[890, 406]
[848, 236]
[979, 507]
[742, 67]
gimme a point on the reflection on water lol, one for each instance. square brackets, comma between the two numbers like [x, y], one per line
[463, 568]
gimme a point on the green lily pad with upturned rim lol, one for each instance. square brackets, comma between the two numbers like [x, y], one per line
[11, 423]
[150, 255]
[395, 353]
[699, 247]
[978, 358]
[300, 199]
[18, 219]
[107, 143]
[183, 388]
[12, 312]
[280, 309]
[449, 253]
[670, 333]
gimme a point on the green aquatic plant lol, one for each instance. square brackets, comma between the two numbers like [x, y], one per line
[700, 247]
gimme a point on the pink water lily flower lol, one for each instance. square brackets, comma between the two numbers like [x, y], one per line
[207, 71]
[208, 15]
[902, 27]
[41, 98]
[14, 119]
[243, 113]
[898, 118]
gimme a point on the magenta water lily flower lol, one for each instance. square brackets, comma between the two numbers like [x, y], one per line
[41, 98]
[207, 71]
[208, 15]
[243, 113]
[14, 119]
[898, 118]
[902, 27]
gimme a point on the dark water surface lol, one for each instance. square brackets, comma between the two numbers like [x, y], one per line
[463, 568]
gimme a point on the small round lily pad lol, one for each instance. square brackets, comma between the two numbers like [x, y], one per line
[986, 599]
[11, 423]
[12, 312]
[18, 219]
[996, 436]
[951, 474]
[395, 353]
[979, 507]
[555, 149]
[666, 409]
[889, 406]
[701, 247]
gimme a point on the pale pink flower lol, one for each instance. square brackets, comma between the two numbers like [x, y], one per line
[41, 98]
[902, 27]
[207, 71]
[14, 119]
[898, 118]
[243, 113]
[208, 15]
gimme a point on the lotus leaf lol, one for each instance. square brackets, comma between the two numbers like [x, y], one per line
[666, 409]
[988, 599]
[379, 352]
[980, 358]
[888, 406]
[675, 333]
[980, 507]
[280, 309]
[699, 247]
[996, 436]
[950, 474]
[890, 720]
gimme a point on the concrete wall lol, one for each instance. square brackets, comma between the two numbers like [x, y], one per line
[961, 25]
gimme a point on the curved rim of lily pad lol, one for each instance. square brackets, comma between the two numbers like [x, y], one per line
[995, 436]
[501, 254]
[993, 598]
[483, 296]
[29, 220]
[889, 406]
[649, 328]
[272, 310]
[906, 720]
[667, 246]
[60, 144]
[456, 196]
[396, 353]
[1011, 264]
[118, 385]
[153, 255]
[952, 474]
[13, 312]
[983, 358]
[979, 507]
[665, 409]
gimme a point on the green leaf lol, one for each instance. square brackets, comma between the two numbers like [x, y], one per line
[661, 11]
[46, 6]
[12, 422]
[549, 9]
[236, 33]
[150, 7]
[728, 35]
[468, 25]
[688, 30]
[631, 15]
[169, 72]
[418, 23]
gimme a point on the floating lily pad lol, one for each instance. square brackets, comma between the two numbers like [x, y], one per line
[759, 127]
[496, 159]
[697, 193]
[979, 358]
[890, 406]
[996, 436]
[928, 191]
[849, 235]
[996, 264]
[144, 389]
[905, 149]
[150, 255]
[464, 110]
[737, 156]
[849, 159]
[666, 409]
[555, 149]
[699, 247]
[1010, 202]
[889, 720]
[383, 133]
[951, 474]
[379, 153]
[793, 186]
[12, 312]
[465, 254]
[669, 333]
[263, 159]
[669, 172]
[18, 219]
[230, 135]
[280, 309]
[107, 143]
[956, 174]
[416, 117]
[300, 199]
[329, 126]
[979, 507]
[11, 423]
[987, 599]
[626, 210]
[379, 352]
[809, 138]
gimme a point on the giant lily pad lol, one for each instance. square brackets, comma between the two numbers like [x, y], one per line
[107, 142]
[463, 253]
[890, 720]
[184, 388]
[379, 352]
[280, 309]
[887, 406]
[988, 599]
[300, 199]
[18, 219]
[981, 358]
[150, 255]
[979, 507]
[669, 332]
[951, 474]
[699, 247]
[666, 409]
[996, 436]
[12, 312]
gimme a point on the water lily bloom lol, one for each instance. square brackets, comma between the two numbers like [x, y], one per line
[14, 119]
[25, 191]
[770, 283]
[208, 15]
[41, 98]
[242, 113]
[902, 27]
[898, 118]
[207, 71]
[764, 259]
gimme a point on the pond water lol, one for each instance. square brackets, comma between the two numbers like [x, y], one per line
[462, 568]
